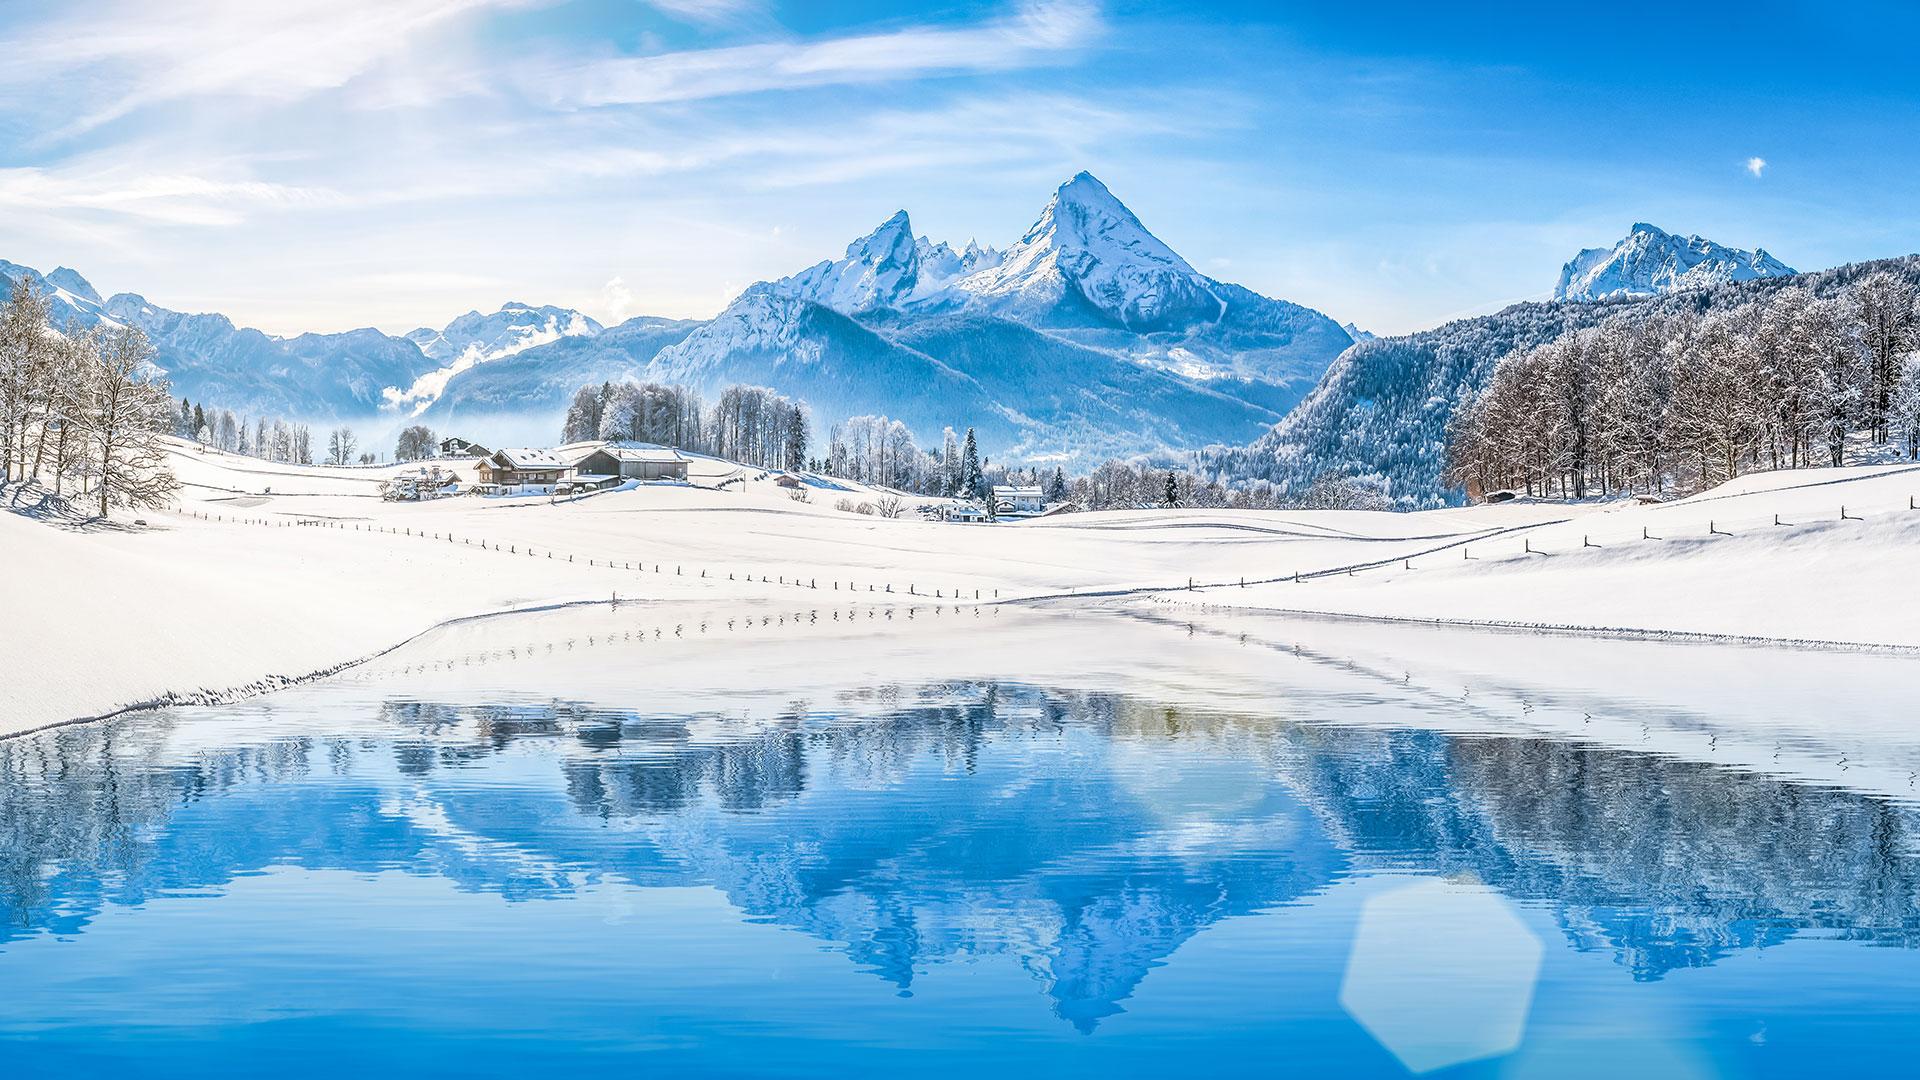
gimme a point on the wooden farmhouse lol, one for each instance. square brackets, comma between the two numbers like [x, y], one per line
[511, 472]
[576, 467]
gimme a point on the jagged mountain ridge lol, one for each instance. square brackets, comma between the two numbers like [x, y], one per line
[1650, 261]
[208, 358]
[887, 268]
[1094, 338]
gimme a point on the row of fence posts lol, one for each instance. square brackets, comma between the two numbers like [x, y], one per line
[1586, 541]
[513, 549]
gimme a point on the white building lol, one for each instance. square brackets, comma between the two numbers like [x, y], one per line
[1018, 500]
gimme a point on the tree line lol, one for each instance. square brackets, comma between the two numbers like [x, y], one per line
[749, 424]
[1684, 400]
[1121, 485]
[86, 409]
[761, 427]
[273, 439]
[269, 439]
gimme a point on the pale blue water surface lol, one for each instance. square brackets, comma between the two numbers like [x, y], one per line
[970, 877]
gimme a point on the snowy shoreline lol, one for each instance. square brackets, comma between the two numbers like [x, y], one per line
[231, 594]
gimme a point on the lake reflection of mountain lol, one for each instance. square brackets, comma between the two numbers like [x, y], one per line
[1084, 836]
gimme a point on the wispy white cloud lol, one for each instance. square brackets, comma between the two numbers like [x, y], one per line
[1755, 164]
[167, 198]
[1040, 132]
[146, 53]
[710, 12]
[1037, 32]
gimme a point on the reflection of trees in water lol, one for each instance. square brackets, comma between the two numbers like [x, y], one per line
[1086, 836]
[1671, 863]
[83, 811]
[937, 831]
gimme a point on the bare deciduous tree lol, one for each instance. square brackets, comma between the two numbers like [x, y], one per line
[131, 411]
[416, 444]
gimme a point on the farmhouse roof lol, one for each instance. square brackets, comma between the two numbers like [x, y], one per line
[522, 458]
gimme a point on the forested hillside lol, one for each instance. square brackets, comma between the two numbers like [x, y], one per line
[1381, 413]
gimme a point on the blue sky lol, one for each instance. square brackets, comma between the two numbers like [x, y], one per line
[323, 164]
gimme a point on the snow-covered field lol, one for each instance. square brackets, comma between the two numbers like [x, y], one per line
[240, 588]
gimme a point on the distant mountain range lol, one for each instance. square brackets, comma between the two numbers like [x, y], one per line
[312, 376]
[1650, 261]
[1088, 337]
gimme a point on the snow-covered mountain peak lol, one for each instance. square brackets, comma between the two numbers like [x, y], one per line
[1085, 217]
[1650, 260]
[1088, 249]
[75, 301]
[69, 280]
[881, 269]
[891, 241]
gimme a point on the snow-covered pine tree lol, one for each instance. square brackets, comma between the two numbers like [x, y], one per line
[798, 434]
[972, 483]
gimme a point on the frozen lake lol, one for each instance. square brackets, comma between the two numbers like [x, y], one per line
[758, 841]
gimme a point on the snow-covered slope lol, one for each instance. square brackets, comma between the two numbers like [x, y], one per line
[305, 599]
[536, 383]
[514, 327]
[474, 339]
[1029, 394]
[1651, 261]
